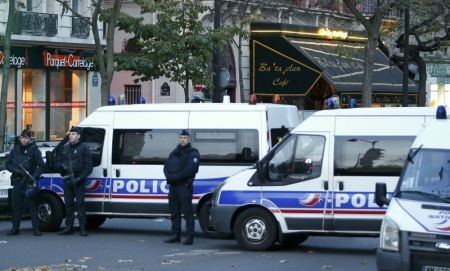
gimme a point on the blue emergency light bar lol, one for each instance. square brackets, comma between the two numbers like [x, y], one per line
[441, 113]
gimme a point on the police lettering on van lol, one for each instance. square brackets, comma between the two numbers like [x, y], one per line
[320, 179]
[129, 144]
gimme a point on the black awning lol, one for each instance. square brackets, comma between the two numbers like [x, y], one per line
[344, 73]
[292, 66]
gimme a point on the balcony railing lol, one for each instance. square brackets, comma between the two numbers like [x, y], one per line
[80, 28]
[34, 23]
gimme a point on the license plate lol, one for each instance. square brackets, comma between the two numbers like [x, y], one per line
[3, 192]
[434, 268]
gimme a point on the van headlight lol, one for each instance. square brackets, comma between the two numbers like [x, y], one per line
[389, 235]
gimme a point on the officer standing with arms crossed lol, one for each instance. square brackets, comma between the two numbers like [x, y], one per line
[180, 169]
[75, 164]
[29, 156]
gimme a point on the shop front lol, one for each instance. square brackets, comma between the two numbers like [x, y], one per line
[48, 89]
[306, 65]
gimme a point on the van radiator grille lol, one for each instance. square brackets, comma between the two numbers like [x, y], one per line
[421, 258]
[423, 251]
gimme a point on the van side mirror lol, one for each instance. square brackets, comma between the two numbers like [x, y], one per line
[381, 194]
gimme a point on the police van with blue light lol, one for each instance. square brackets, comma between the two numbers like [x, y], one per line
[415, 234]
[129, 144]
[319, 181]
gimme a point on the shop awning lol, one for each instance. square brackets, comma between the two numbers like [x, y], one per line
[296, 64]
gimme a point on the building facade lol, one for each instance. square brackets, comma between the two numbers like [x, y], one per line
[53, 81]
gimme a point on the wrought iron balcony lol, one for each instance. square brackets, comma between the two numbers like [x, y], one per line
[34, 23]
[80, 28]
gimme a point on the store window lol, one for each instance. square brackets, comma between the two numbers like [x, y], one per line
[33, 102]
[10, 105]
[67, 101]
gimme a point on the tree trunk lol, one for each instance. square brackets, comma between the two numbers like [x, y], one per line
[422, 80]
[5, 78]
[186, 91]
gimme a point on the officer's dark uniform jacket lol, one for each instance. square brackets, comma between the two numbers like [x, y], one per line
[182, 165]
[29, 156]
[79, 155]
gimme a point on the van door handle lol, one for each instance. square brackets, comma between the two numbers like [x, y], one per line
[117, 172]
[105, 172]
[341, 186]
[325, 185]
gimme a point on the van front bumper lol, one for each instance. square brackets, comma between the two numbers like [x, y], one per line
[221, 217]
[389, 260]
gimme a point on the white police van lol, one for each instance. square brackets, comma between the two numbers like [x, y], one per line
[131, 142]
[415, 234]
[320, 180]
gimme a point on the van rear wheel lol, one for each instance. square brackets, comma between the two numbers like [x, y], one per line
[256, 229]
[95, 221]
[291, 241]
[50, 212]
[204, 219]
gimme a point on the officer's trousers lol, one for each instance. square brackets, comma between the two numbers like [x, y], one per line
[18, 200]
[72, 193]
[180, 202]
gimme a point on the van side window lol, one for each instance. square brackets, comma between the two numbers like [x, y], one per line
[277, 134]
[298, 159]
[370, 155]
[153, 146]
[231, 146]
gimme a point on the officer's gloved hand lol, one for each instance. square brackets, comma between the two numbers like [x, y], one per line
[18, 174]
[74, 181]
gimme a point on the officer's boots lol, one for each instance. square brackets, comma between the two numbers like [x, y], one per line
[174, 239]
[36, 231]
[83, 231]
[67, 231]
[14, 231]
[189, 240]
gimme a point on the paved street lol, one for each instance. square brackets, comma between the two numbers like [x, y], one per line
[137, 244]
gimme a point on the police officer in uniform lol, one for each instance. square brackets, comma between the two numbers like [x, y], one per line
[75, 163]
[29, 156]
[180, 169]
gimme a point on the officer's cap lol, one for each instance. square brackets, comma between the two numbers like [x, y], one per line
[26, 133]
[75, 129]
[185, 133]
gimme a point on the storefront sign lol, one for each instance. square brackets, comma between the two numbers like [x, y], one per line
[326, 33]
[37, 57]
[277, 73]
[95, 80]
[380, 98]
[438, 70]
[443, 80]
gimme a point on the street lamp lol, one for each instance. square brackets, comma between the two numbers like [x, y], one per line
[359, 139]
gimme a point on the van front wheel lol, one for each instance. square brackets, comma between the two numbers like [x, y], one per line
[50, 212]
[256, 229]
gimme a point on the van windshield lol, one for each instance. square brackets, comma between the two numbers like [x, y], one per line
[427, 177]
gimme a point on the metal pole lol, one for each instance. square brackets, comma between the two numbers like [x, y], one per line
[216, 56]
[405, 61]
